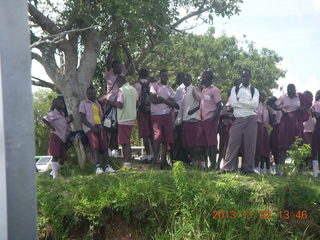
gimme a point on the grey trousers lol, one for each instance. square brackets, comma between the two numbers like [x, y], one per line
[243, 130]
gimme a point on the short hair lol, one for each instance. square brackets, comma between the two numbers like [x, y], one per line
[163, 70]
[90, 89]
[271, 101]
[246, 72]
[208, 75]
[143, 73]
[291, 86]
[181, 75]
[318, 95]
[115, 63]
[188, 76]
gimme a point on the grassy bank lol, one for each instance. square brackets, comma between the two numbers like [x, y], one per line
[177, 204]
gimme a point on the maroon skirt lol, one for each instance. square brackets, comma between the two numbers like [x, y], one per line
[316, 140]
[57, 148]
[189, 134]
[263, 141]
[289, 129]
[207, 132]
[307, 138]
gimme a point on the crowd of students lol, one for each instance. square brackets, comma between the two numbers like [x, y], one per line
[186, 121]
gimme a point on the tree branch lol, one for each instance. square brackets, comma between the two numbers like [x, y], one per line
[42, 83]
[57, 37]
[44, 22]
[200, 10]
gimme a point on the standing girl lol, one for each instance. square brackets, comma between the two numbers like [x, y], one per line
[60, 129]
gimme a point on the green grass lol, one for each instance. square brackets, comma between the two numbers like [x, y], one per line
[176, 204]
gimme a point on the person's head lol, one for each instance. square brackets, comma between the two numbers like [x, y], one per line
[180, 78]
[58, 104]
[291, 90]
[143, 74]
[308, 94]
[121, 80]
[262, 97]
[164, 76]
[207, 78]
[245, 77]
[187, 80]
[271, 101]
[91, 94]
[318, 95]
[116, 67]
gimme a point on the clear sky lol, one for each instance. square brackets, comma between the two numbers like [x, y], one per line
[290, 27]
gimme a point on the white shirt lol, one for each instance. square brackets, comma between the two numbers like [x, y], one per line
[179, 95]
[188, 103]
[243, 103]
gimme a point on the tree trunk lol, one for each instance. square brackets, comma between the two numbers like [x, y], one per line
[73, 95]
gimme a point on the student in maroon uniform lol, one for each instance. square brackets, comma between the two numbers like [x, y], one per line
[58, 123]
[210, 107]
[262, 147]
[144, 112]
[294, 107]
[189, 120]
[91, 116]
[126, 115]
[162, 104]
[316, 134]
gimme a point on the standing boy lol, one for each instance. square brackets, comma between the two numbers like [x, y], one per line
[162, 103]
[126, 105]
[144, 112]
[60, 129]
[91, 117]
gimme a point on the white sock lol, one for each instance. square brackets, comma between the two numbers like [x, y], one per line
[55, 167]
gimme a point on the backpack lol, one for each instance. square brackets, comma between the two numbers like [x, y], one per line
[145, 104]
[251, 90]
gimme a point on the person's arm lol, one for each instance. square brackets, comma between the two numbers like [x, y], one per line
[196, 93]
[48, 124]
[170, 102]
[116, 104]
[70, 118]
[128, 55]
[154, 99]
[87, 123]
[192, 111]
[217, 111]
[109, 57]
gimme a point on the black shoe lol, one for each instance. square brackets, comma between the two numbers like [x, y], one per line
[165, 166]
[248, 172]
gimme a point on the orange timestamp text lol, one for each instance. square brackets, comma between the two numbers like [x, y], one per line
[282, 214]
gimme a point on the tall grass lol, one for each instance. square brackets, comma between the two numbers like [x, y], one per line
[177, 204]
